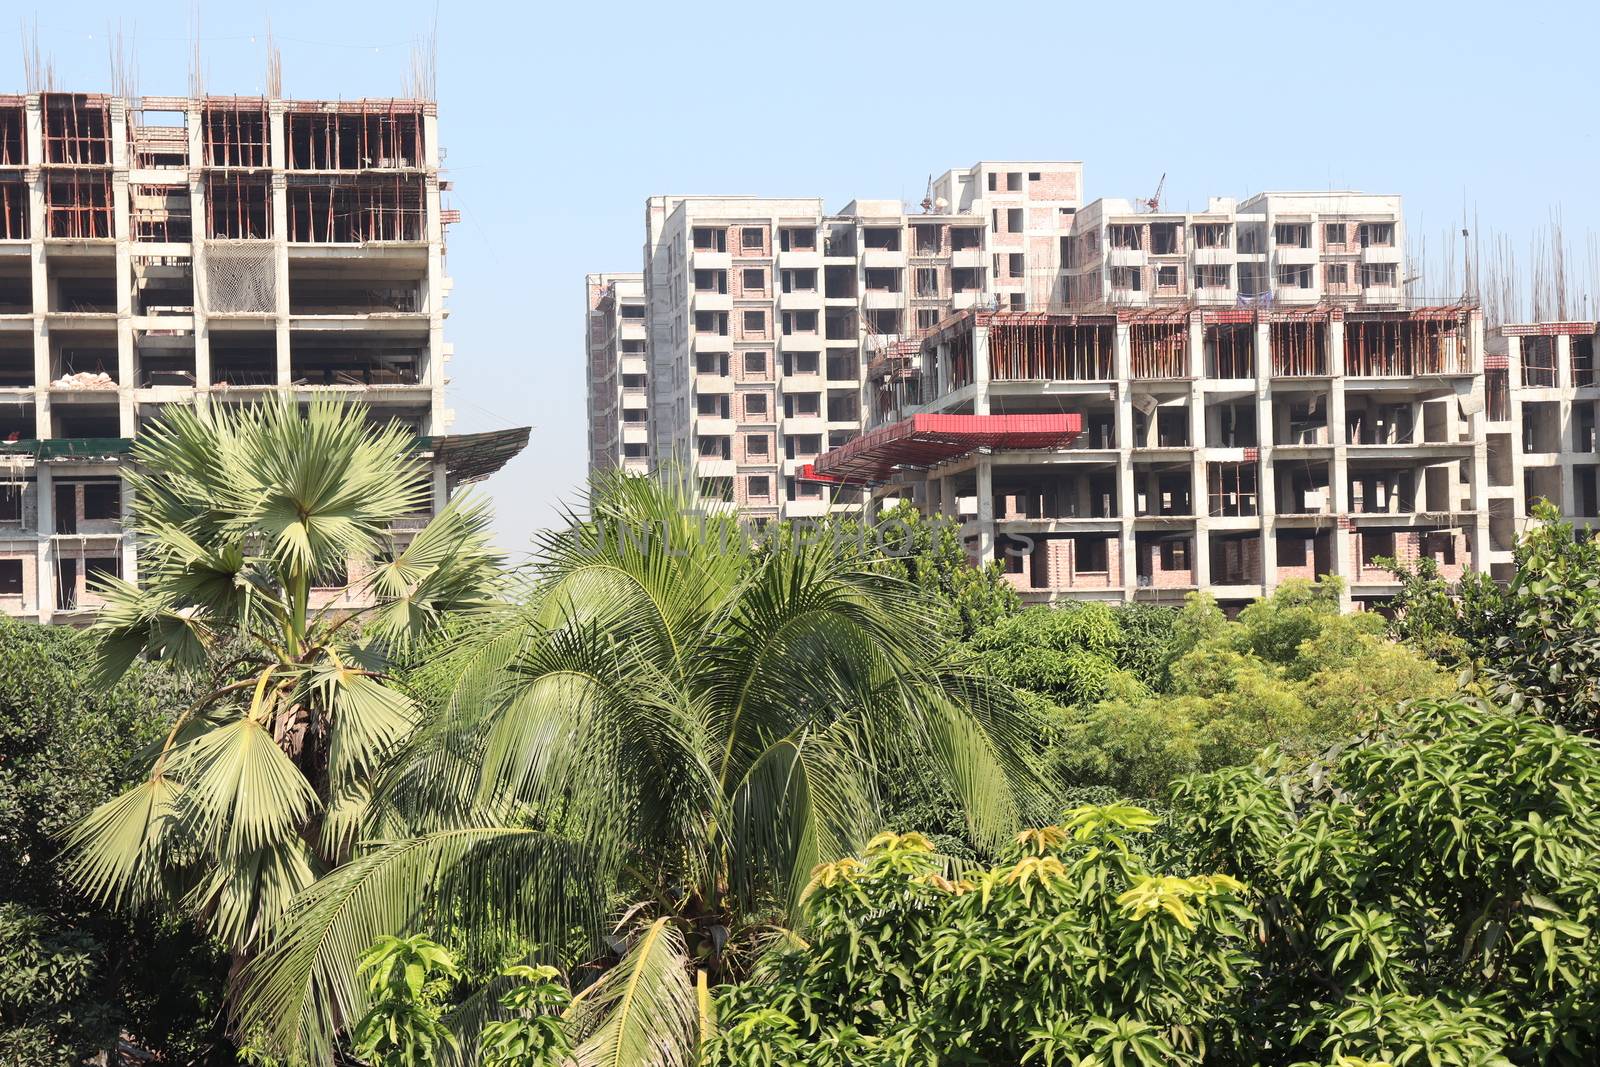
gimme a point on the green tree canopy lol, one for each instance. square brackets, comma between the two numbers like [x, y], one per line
[666, 720]
[249, 517]
[72, 980]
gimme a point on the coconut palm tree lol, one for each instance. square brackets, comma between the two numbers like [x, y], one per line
[245, 516]
[669, 723]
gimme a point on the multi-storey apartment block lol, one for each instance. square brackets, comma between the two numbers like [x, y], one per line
[1283, 249]
[1114, 400]
[168, 250]
[619, 402]
[763, 313]
[1543, 394]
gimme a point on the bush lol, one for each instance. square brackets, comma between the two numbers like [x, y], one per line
[1438, 883]
[1534, 645]
[71, 979]
[1431, 896]
[1291, 673]
[1072, 948]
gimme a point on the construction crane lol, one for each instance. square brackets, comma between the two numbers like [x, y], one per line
[1153, 204]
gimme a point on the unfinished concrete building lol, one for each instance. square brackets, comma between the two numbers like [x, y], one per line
[619, 402]
[166, 250]
[1543, 406]
[1137, 454]
[763, 312]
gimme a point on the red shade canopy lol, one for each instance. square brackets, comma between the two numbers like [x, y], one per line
[924, 440]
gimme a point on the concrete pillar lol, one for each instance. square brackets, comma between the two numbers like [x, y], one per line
[45, 487]
[985, 474]
[1339, 467]
[280, 238]
[980, 370]
[124, 253]
[197, 261]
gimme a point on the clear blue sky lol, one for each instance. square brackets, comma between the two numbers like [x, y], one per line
[560, 118]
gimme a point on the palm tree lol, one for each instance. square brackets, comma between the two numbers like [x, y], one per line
[669, 722]
[245, 515]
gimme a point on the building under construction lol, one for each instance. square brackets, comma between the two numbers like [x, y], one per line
[168, 250]
[1190, 448]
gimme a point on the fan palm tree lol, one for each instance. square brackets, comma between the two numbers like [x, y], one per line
[668, 722]
[245, 515]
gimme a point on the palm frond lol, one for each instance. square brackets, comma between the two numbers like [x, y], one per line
[368, 718]
[112, 856]
[489, 882]
[134, 622]
[644, 1011]
[447, 566]
[243, 794]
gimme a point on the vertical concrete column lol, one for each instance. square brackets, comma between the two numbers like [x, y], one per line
[1122, 398]
[197, 255]
[33, 118]
[985, 474]
[1479, 423]
[434, 287]
[1339, 469]
[1569, 491]
[441, 486]
[125, 350]
[980, 370]
[1266, 466]
[129, 550]
[44, 486]
[949, 499]
[276, 141]
[1518, 467]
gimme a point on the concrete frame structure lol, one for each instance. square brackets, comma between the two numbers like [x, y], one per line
[167, 250]
[1186, 478]
[617, 371]
[1283, 249]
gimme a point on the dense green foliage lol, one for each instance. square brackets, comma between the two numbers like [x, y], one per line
[71, 980]
[1412, 902]
[1535, 644]
[1441, 880]
[1132, 696]
[1072, 947]
[665, 720]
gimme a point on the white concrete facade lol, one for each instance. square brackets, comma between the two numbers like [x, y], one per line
[762, 314]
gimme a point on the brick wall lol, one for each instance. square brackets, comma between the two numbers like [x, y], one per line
[28, 601]
[1304, 564]
[1449, 550]
[740, 290]
[1150, 563]
[736, 241]
[744, 453]
[743, 331]
[1055, 564]
[741, 374]
[741, 407]
[1054, 185]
